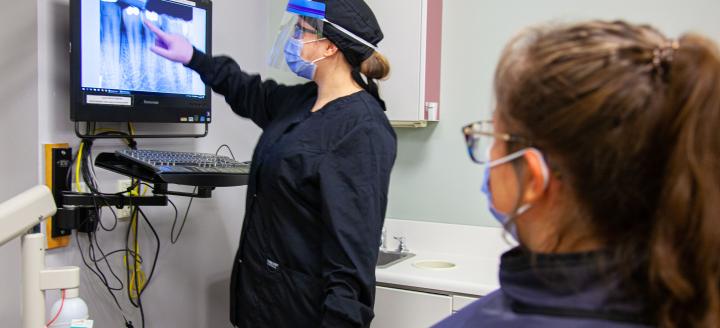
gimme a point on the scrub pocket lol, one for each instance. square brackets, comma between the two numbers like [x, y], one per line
[297, 297]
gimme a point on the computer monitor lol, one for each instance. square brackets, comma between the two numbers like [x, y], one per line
[114, 75]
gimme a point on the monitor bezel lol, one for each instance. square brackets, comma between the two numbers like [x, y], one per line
[162, 108]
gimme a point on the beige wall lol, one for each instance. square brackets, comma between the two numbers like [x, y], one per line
[18, 133]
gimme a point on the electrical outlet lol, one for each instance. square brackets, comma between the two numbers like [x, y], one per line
[124, 213]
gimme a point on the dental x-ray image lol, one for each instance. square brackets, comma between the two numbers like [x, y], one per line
[122, 59]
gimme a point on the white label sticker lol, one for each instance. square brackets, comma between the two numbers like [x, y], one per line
[187, 3]
[109, 100]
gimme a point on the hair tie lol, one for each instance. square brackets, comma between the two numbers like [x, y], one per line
[665, 53]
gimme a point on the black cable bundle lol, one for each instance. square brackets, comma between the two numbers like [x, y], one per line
[88, 176]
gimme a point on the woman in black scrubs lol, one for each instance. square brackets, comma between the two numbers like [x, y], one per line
[320, 173]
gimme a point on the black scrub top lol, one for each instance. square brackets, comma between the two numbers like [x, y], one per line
[316, 202]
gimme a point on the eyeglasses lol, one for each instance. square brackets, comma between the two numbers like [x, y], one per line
[300, 31]
[480, 135]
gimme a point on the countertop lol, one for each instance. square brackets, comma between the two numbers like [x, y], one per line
[471, 276]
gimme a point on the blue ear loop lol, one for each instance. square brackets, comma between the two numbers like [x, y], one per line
[503, 218]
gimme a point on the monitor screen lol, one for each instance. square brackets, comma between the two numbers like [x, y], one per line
[115, 75]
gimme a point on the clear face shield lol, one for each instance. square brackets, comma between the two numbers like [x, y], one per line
[301, 24]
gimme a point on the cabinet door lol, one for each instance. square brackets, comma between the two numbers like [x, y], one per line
[404, 30]
[460, 302]
[409, 309]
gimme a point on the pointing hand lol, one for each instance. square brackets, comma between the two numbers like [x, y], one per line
[170, 46]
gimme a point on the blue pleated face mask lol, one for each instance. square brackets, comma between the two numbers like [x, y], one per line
[293, 57]
[499, 216]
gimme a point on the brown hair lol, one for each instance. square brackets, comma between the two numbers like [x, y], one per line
[629, 120]
[376, 67]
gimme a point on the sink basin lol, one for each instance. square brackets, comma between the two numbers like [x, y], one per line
[434, 265]
[386, 259]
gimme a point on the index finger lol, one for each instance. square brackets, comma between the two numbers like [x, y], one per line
[155, 29]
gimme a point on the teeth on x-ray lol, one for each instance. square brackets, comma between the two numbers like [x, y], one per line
[126, 60]
[132, 11]
[152, 16]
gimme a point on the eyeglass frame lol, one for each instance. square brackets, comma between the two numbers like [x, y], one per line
[470, 133]
[299, 31]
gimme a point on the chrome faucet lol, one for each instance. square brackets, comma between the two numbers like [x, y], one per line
[383, 246]
[402, 246]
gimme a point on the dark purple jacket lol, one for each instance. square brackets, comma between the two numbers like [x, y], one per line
[566, 290]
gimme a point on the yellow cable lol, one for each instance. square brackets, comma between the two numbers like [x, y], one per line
[110, 130]
[78, 159]
[137, 272]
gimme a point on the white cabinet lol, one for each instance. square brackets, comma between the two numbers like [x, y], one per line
[460, 302]
[409, 309]
[395, 307]
[412, 44]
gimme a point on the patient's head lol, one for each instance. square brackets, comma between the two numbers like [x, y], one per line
[627, 120]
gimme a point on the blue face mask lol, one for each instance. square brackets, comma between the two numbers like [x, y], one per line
[501, 217]
[293, 57]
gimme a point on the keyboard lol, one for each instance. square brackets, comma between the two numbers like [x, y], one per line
[185, 162]
[182, 168]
